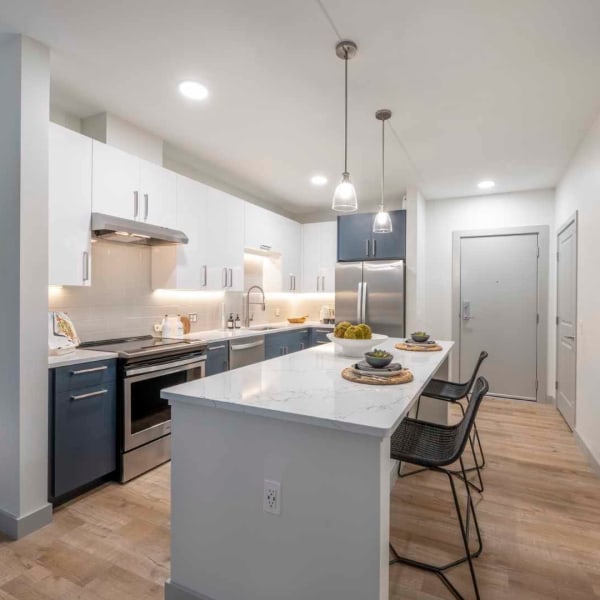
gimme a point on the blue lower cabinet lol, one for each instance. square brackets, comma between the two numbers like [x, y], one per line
[286, 342]
[319, 336]
[275, 344]
[83, 431]
[217, 358]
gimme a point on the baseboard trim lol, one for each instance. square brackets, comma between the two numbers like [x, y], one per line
[18, 527]
[550, 400]
[592, 460]
[174, 591]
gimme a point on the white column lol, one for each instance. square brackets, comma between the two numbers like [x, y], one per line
[24, 115]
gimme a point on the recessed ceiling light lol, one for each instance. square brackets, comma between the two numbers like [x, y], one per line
[193, 90]
[318, 180]
[487, 184]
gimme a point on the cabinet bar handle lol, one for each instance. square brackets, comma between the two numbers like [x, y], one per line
[216, 347]
[367, 247]
[230, 278]
[204, 271]
[224, 282]
[374, 247]
[323, 330]
[136, 204]
[146, 207]
[92, 370]
[86, 266]
[89, 395]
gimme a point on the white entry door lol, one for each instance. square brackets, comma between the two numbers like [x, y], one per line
[566, 322]
[499, 311]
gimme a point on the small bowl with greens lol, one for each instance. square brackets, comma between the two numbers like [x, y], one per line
[378, 358]
[419, 336]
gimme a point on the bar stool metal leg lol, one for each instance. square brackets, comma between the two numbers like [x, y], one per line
[464, 524]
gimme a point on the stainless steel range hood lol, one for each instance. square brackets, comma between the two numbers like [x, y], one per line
[116, 229]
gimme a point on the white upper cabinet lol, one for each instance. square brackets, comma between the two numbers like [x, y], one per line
[290, 246]
[127, 186]
[115, 182]
[158, 189]
[319, 255]
[225, 241]
[185, 266]
[268, 231]
[69, 207]
[214, 257]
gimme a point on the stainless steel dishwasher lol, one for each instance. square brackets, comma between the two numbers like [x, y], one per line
[246, 351]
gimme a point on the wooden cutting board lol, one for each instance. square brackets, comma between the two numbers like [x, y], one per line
[187, 326]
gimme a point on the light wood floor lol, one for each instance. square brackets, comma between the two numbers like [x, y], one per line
[540, 516]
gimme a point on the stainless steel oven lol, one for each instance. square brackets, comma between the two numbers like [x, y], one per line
[147, 365]
[146, 416]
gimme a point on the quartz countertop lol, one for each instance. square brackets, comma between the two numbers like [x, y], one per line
[77, 357]
[220, 335]
[307, 387]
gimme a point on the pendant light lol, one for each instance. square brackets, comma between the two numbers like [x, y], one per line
[382, 222]
[344, 197]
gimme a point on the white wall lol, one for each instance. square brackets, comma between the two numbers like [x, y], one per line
[481, 212]
[580, 190]
[416, 248]
[24, 113]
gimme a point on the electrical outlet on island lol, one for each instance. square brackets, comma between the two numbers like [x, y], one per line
[272, 497]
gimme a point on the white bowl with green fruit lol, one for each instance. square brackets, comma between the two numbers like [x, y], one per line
[354, 340]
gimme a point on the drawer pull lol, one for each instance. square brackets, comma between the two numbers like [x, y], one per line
[93, 370]
[89, 395]
[324, 330]
[216, 347]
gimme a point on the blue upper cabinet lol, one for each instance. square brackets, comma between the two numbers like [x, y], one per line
[356, 240]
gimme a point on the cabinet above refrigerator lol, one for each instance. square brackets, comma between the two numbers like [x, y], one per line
[356, 240]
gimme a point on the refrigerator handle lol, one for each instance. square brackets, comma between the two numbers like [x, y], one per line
[359, 302]
[364, 302]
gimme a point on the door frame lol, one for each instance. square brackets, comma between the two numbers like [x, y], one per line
[543, 233]
[573, 219]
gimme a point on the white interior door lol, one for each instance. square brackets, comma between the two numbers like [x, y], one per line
[499, 311]
[566, 310]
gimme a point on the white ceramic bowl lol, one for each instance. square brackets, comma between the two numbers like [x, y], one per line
[356, 348]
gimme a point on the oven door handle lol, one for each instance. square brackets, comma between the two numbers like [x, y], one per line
[188, 363]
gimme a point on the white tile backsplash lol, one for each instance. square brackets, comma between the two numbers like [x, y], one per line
[120, 301]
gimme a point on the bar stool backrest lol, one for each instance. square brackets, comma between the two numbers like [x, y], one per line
[468, 387]
[463, 429]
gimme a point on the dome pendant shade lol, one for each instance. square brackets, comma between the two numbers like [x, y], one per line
[382, 222]
[344, 197]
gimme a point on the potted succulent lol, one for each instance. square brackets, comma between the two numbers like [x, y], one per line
[378, 358]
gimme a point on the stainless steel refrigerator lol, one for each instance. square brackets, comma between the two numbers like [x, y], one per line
[371, 292]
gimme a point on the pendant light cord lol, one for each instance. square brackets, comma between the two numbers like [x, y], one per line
[346, 112]
[382, 162]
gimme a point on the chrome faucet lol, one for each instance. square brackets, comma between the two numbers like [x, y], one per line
[248, 303]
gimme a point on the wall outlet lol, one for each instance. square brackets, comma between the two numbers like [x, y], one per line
[277, 311]
[272, 497]
[193, 317]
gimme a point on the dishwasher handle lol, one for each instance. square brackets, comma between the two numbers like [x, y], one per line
[247, 346]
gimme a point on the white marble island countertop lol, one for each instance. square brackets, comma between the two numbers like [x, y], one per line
[307, 387]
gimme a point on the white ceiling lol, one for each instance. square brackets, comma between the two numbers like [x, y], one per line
[495, 89]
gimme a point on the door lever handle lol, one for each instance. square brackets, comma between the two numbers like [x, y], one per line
[466, 310]
[569, 337]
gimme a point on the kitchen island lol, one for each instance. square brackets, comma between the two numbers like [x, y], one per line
[291, 422]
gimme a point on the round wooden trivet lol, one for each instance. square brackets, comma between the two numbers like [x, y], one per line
[404, 376]
[411, 348]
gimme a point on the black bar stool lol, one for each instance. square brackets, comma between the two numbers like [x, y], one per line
[434, 447]
[453, 393]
